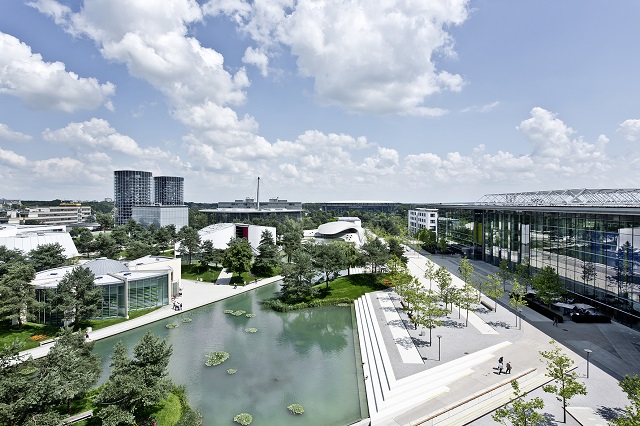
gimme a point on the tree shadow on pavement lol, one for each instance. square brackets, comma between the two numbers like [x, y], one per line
[453, 324]
[609, 413]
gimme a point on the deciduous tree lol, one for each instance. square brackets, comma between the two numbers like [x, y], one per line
[517, 300]
[297, 281]
[518, 411]
[444, 283]
[548, 285]
[565, 381]
[375, 254]
[494, 289]
[238, 256]
[327, 258]
[631, 417]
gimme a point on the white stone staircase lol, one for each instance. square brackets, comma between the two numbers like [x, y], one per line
[388, 397]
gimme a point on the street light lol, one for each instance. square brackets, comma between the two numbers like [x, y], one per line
[588, 351]
[439, 337]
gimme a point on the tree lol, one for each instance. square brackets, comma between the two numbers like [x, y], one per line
[47, 256]
[466, 270]
[9, 257]
[18, 295]
[268, 258]
[135, 384]
[559, 368]
[16, 398]
[444, 282]
[68, 371]
[328, 258]
[352, 256]
[523, 273]
[395, 248]
[210, 254]
[521, 412]
[400, 278]
[495, 290]
[504, 273]
[428, 238]
[137, 249]
[631, 386]
[106, 246]
[238, 256]
[291, 237]
[297, 281]
[548, 285]
[517, 300]
[83, 239]
[189, 241]
[466, 299]
[105, 220]
[77, 297]
[375, 254]
[442, 245]
[427, 310]
[430, 271]
[119, 234]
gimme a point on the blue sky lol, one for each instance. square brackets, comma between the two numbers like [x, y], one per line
[325, 100]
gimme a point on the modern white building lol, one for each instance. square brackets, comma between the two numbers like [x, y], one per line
[422, 218]
[221, 233]
[27, 237]
[140, 284]
[64, 214]
[347, 229]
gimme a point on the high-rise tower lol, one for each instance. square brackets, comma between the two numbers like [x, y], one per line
[131, 188]
[169, 190]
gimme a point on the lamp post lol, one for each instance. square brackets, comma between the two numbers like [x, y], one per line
[440, 337]
[588, 351]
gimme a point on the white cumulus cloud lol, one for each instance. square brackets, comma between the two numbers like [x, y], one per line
[10, 135]
[630, 130]
[46, 85]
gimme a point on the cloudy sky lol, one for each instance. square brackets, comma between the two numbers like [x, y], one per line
[399, 100]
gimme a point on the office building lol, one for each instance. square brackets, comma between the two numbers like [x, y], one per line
[591, 237]
[131, 188]
[422, 218]
[160, 216]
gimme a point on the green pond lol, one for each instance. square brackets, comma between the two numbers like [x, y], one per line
[306, 357]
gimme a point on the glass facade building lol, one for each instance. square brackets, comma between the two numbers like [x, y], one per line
[131, 188]
[169, 190]
[160, 216]
[594, 249]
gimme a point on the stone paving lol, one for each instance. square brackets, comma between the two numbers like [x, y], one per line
[614, 353]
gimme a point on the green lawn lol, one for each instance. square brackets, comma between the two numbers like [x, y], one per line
[31, 334]
[195, 272]
[97, 324]
[350, 287]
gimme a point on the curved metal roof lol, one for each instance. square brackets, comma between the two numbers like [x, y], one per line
[104, 266]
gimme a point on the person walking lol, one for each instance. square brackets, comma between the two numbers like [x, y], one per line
[508, 370]
[500, 367]
[500, 360]
[555, 321]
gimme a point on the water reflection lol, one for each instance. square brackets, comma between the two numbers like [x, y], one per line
[303, 330]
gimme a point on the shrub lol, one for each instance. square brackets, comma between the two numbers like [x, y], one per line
[279, 306]
[215, 358]
[296, 408]
[243, 418]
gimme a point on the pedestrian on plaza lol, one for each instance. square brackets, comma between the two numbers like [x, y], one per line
[180, 305]
[555, 321]
[500, 360]
[508, 370]
[500, 367]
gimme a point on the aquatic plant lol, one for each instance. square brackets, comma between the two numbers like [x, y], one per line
[243, 418]
[215, 358]
[251, 330]
[296, 408]
[172, 325]
[231, 371]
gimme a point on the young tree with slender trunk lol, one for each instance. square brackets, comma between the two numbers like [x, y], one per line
[517, 300]
[444, 284]
[430, 271]
[631, 417]
[521, 412]
[565, 381]
[428, 310]
[494, 290]
[504, 273]
[466, 299]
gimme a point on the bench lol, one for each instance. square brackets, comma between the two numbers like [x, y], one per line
[486, 305]
[78, 417]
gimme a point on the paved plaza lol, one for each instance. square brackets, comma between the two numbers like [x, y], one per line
[460, 369]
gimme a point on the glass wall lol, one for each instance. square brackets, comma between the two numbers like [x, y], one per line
[597, 255]
[148, 293]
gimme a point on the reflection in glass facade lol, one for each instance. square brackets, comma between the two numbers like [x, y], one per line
[144, 293]
[596, 251]
[160, 216]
